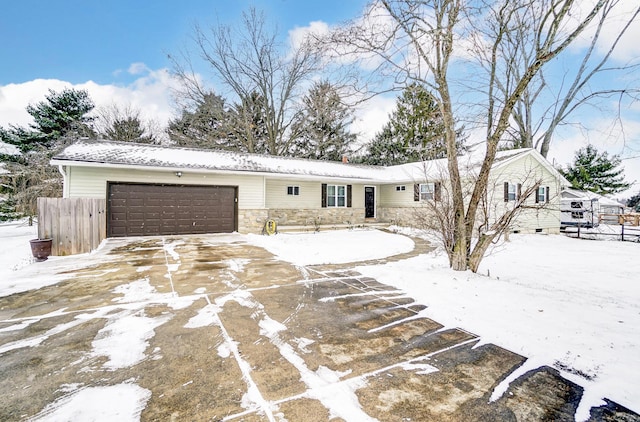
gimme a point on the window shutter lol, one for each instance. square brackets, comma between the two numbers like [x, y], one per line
[519, 192]
[349, 196]
[437, 189]
[416, 192]
[506, 191]
[547, 195]
[537, 195]
[324, 195]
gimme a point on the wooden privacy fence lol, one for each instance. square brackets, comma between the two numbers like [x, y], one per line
[76, 225]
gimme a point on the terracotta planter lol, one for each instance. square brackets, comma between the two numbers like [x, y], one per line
[41, 248]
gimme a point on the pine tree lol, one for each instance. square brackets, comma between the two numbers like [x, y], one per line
[596, 172]
[321, 129]
[634, 202]
[58, 121]
[414, 132]
[204, 126]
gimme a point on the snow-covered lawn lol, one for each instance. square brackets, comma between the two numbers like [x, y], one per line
[567, 303]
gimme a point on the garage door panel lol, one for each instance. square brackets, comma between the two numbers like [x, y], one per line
[148, 209]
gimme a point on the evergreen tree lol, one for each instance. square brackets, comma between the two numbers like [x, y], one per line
[414, 132]
[58, 121]
[247, 126]
[320, 130]
[204, 126]
[596, 172]
[634, 202]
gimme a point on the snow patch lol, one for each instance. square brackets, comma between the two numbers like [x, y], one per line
[122, 402]
[125, 338]
[331, 248]
[205, 317]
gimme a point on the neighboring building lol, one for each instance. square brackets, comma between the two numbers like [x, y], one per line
[588, 209]
[153, 190]
[579, 208]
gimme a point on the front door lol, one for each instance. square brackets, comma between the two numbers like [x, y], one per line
[369, 202]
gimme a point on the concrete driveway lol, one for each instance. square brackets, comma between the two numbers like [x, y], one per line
[213, 328]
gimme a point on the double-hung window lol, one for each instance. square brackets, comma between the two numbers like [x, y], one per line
[336, 196]
[541, 194]
[293, 190]
[511, 191]
[427, 191]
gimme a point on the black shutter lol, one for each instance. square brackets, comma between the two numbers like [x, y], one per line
[506, 191]
[537, 198]
[547, 195]
[416, 192]
[324, 195]
[519, 192]
[437, 188]
[349, 196]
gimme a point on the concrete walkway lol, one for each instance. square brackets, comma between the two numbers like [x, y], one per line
[212, 328]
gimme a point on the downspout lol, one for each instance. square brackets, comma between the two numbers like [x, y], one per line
[65, 186]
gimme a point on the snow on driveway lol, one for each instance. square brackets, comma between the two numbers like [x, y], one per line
[568, 303]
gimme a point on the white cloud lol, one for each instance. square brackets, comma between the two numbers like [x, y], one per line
[371, 116]
[150, 92]
[628, 49]
[613, 140]
[299, 34]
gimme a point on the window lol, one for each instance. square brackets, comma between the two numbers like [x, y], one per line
[576, 205]
[577, 215]
[511, 191]
[427, 191]
[401, 188]
[336, 196]
[542, 194]
[293, 190]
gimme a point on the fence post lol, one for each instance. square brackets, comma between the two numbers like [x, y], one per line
[623, 232]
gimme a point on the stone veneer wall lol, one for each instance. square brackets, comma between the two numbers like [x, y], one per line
[317, 216]
[401, 216]
[252, 221]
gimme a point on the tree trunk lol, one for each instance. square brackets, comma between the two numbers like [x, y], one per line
[459, 255]
[479, 251]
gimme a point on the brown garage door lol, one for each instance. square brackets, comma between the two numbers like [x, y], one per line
[144, 209]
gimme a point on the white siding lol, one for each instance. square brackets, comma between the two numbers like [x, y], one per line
[390, 197]
[310, 194]
[91, 182]
[526, 171]
[277, 194]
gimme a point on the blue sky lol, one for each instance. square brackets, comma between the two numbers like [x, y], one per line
[117, 51]
[80, 40]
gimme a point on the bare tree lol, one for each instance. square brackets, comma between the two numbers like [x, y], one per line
[251, 62]
[124, 123]
[434, 42]
[535, 123]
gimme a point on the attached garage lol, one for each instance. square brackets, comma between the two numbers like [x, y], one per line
[136, 209]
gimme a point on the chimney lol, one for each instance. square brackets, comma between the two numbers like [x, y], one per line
[345, 159]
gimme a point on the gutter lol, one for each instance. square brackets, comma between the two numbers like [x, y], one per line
[65, 177]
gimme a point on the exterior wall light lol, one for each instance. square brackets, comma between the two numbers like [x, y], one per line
[179, 173]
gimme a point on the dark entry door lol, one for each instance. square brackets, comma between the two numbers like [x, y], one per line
[369, 202]
[147, 209]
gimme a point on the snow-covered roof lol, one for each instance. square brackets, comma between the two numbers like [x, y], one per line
[102, 153]
[98, 153]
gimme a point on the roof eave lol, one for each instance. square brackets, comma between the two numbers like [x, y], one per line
[173, 169]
